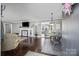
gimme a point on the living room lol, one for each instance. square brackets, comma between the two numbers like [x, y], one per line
[38, 29]
[28, 20]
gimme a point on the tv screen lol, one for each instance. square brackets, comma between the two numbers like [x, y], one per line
[25, 24]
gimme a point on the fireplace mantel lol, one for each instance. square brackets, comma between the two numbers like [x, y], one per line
[25, 29]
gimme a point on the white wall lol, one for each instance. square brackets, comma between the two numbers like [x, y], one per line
[15, 27]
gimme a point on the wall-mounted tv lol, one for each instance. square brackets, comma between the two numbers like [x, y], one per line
[25, 24]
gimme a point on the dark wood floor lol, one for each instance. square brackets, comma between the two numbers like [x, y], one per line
[22, 50]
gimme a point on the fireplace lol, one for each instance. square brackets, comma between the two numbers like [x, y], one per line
[24, 33]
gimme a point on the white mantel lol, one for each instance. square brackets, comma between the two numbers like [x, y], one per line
[30, 31]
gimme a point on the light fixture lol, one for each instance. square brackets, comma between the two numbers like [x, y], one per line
[51, 18]
[2, 9]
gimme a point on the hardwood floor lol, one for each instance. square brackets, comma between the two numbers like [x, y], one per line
[21, 50]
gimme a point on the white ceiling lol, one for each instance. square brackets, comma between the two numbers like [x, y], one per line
[32, 11]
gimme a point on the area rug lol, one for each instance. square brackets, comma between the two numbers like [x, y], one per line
[30, 53]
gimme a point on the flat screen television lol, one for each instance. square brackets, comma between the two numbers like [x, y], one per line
[25, 24]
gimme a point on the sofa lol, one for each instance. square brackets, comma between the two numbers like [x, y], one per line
[10, 41]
